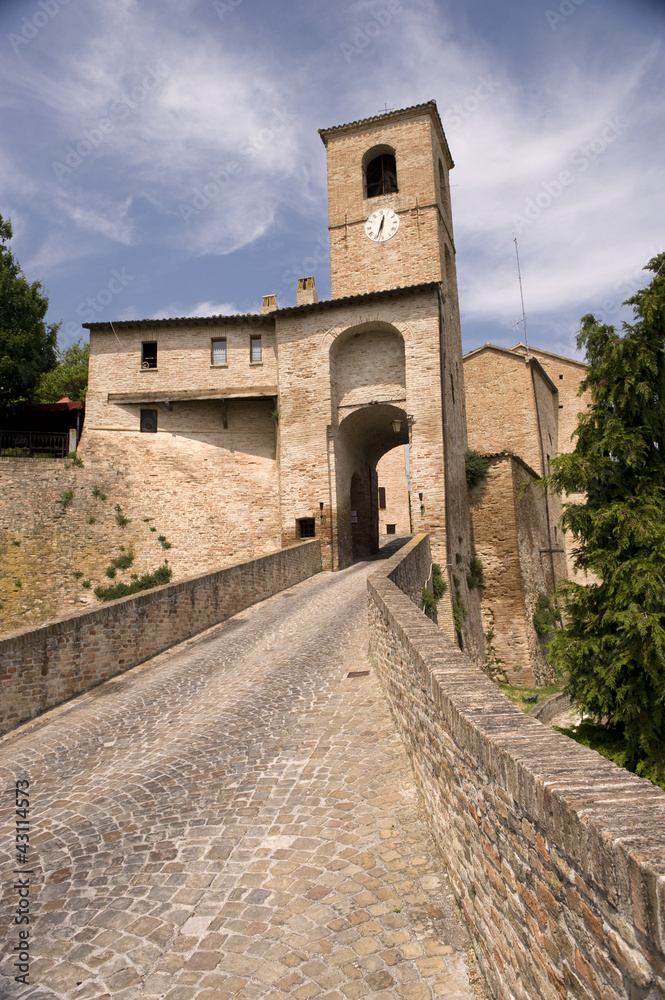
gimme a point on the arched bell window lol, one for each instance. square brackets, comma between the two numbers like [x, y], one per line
[380, 175]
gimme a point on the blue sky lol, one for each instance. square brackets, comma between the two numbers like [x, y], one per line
[161, 157]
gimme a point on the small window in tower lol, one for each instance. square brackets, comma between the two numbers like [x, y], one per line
[148, 421]
[560, 376]
[306, 527]
[381, 176]
[390, 529]
[219, 352]
[149, 354]
[255, 350]
[382, 498]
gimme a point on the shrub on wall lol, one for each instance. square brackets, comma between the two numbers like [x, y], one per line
[476, 466]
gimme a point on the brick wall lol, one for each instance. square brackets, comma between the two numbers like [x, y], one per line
[557, 856]
[44, 666]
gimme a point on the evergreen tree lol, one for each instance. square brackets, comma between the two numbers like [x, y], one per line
[27, 344]
[68, 378]
[612, 644]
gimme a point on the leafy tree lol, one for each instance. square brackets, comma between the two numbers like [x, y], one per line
[476, 466]
[612, 643]
[68, 378]
[27, 344]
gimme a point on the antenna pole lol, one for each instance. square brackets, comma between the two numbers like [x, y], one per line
[519, 275]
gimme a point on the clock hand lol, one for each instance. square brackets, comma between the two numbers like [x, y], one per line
[383, 219]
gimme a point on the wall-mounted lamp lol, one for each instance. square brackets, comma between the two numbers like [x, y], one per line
[321, 505]
[397, 426]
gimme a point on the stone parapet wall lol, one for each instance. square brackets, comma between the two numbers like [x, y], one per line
[44, 666]
[557, 856]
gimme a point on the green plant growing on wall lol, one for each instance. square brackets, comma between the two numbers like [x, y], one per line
[96, 492]
[75, 460]
[474, 578]
[78, 573]
[92, 520]
[460, 613]
[476, 466]
[159, 577]
[66, 499]
[162, 540]
[86, 583]
[439, 585]
[110, 572]
[120, 518]
[16, 542]
[546, 619]
[432, 598]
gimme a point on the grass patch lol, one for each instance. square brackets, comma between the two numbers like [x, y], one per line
[162, 540]
[120, 518]
[75, 460]
[92, 520]
[611, 743]
[66, 499]
[160, 576]
[78, 573]
[518, 694]
[87, 584]
[96, 492]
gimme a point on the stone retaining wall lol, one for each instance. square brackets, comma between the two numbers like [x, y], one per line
[557, 856]
[43, 666]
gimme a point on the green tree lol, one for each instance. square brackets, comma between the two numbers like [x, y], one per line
[27, 344]
[612, 643]
[68, 378]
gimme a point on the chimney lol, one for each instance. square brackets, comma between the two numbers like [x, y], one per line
[269, 304]
[306, 294]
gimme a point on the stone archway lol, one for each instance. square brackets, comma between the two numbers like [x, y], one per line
[364, 436]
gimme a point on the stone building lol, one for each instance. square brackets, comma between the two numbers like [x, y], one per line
[252, 431]
[516, 524]
[241, 434]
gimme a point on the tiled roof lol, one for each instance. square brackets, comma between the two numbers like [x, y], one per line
[254, 318]
[386, 116]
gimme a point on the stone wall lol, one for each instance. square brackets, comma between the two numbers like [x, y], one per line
[42, 667]
[556, 855]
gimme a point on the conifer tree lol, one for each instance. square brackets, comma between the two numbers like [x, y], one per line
[612, 644]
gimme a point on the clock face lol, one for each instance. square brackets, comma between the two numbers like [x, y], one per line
[381, 225]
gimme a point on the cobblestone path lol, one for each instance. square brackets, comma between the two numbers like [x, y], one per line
[235, 818]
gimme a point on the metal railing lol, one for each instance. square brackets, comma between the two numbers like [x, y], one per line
[28, 444]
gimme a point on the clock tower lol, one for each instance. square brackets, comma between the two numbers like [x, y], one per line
[389, 202]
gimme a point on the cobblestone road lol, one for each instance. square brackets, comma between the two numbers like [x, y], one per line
[235, 818]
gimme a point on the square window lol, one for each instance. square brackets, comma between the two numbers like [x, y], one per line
[149, 354]
[390, 529]
[149, 421]
[306, 527]
[219, 352]
[255, 349]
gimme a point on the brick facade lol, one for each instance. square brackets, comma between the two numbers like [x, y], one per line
[555, 854]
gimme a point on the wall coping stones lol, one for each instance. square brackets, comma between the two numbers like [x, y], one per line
[557, 811]
[44, 665]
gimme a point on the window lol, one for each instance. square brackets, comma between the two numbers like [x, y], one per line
[149, 421]
[382, 498]
[390, 529]
[149, 354]
[254, 350]
[560, 376]
[306, 527]
[381, 175]
[219, 352]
